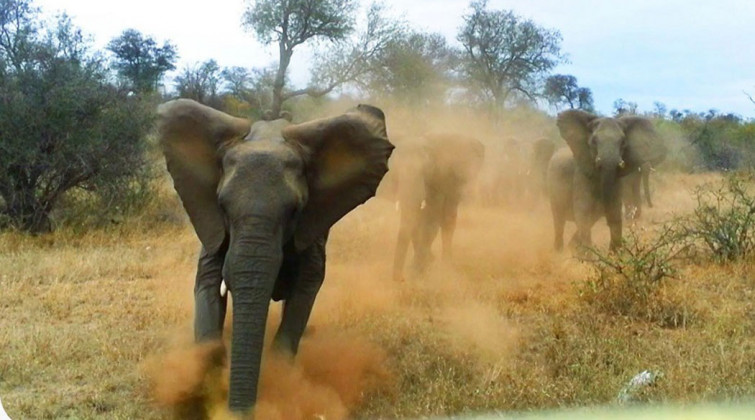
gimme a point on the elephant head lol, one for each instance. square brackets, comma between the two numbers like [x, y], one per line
[255, 189]
[452, 158]
[606, 149]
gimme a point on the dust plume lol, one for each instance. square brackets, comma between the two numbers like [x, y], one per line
[332, 374]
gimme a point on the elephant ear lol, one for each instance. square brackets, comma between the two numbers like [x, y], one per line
[193, 138]
[643, 143]
[575, 127]
[346, 157]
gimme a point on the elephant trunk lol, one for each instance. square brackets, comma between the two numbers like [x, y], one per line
[611, 198]
[646, 169]
[252, 263]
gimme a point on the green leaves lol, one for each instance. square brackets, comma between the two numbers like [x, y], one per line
[507, 56]
[62, 125]
[139, 61]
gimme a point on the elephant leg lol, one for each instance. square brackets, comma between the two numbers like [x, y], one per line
[585, 218]
[448, 226]
[399, 257]
[616, 238]
[559, 221]
[428, 230]
[298, 307]
[209, 305]
[407, 233]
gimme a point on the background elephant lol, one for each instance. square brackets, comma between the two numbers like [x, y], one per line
[584, 184]
[503, 175]
[262, 199]
[631, 193]
[431, 176]
[542, 151]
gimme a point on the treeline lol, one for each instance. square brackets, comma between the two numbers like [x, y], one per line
[701, 141]
[74, 121]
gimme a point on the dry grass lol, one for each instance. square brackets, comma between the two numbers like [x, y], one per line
[98, 326]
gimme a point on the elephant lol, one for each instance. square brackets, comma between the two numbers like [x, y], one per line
[631, 194]
[262, 198]
[584, 180]
[504, 174]
[542, 151]
[431, 177]
[515, 173]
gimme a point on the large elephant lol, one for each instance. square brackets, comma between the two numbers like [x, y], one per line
[431, 177]
[262, 199]
[584, 185]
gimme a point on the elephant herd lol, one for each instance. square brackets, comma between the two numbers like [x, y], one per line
[262, 198]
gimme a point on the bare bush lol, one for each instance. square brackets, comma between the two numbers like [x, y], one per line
[630, 280]
[723, 223]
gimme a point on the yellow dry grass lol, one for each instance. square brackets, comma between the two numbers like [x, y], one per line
[98, 325]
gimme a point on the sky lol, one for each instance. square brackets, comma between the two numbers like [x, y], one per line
[686, 54]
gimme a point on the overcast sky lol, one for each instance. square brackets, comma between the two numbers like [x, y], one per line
[686, 54]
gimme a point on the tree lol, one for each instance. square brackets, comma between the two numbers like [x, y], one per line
[659, 110]
[413, 67]
[237, 81]
[622, 107]
[62, 125]
[290, 23]
[200, 82]
[247, 92]
[562, 89]
[140, 63]
[506, 56]
[360, 58]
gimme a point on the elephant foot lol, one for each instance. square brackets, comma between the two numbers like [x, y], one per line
[213, 357]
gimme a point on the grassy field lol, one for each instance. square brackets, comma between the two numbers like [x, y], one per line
[98, 325]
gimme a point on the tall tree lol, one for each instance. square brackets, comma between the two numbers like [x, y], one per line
[622, 107]
[562, 89]
[361, 58]
[506, 56]
[200, 82]
[139, 61]
[237, 81]
[413, 67]
[290, 23]
[62, 125]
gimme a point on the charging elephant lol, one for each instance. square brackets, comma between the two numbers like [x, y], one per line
[262, 199]
[431, 177]
[631, 190]
[584, 185]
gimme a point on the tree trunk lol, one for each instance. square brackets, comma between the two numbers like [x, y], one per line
[29, 214]
[280, 80]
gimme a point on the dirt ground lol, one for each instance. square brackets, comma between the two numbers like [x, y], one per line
[99, 325]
